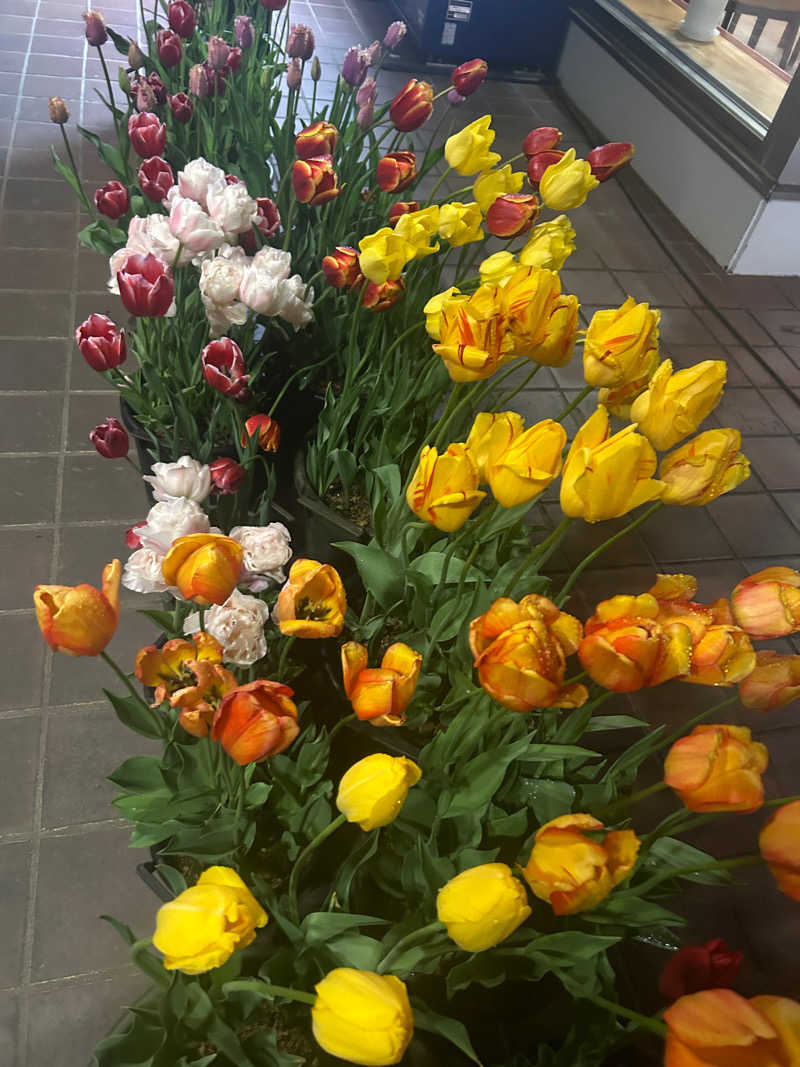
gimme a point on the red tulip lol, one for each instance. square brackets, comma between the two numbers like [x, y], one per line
[412, 107]
[182, 107]
[269, 218]
[226, 474]
[110, 439]
[181, 18]
[314, 180]
[402, 207]
[539, 163]
[607, 159]
[273, 5]
[148, 134]
[318, 139]
[341, 268]
[223, 369]
[96, 33]
[265, 429]
[696, 967]
[101, 342]
[169, 48]
[542, 139]
[512, 214]
[469, 76]
[234, 60]
[158, 88]
[396, 171]
[155, 178]
[381, 297]
[145, 286]
[112, 199]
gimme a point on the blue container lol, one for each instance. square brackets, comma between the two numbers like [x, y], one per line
[513, 34]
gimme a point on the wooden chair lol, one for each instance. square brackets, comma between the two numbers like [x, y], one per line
[788, 11]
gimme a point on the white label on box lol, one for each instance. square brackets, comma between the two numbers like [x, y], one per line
[448, 33]
[459, 10]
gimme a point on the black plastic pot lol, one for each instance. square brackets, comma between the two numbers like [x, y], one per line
[319, 526]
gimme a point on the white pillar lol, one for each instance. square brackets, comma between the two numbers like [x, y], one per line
[702, 19]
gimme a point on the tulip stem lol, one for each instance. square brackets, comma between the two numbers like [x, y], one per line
[778, 801]
[501, 403]
[299, 863]
[287, 647]
[681, 731]
[435, 188]
[578, 399]
[342, 722]
[273, 990]
[626, 802]
[75, 171]
[122, 677]
[681, 872]
[408, 941]
[646, 1022]
[563, 595]
[544, 549]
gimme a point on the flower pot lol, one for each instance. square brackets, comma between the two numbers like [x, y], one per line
[319, 526]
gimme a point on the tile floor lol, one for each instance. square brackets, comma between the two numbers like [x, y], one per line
[63, 511]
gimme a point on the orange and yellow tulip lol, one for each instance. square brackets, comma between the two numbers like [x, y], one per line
[674, 404]
[722, 656]
[203, 567]
[528, 298]
[773, 683]
[704, 468]
[719, 1028]
[380, 695]
[779, 844]
[79, 620]
[265, 429]
[561, 331]
[255, 721]
[520, 652]
[474, 338]
[313, 602]
[607, 476]
[767, 604]
[444, 490]
[621, 345]
[627, 648]
[717, 768]
[573, 871]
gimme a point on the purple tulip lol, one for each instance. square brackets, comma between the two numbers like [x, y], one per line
[455, 98]
[394, 35]
[355, 65]
[243, 31]
[294, 75]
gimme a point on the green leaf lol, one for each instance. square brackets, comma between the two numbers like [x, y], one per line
[479, 779]
[550, 753]
[321, 925]
[549, 798]
[122, 929]
[485, 968]
[120, 43]
[360, 855]
[172, 877]
[614, 722]
[451, 1029]
[667, 852]
[573, 944]
[356, 950]
[67, 174]
[257, 794]
[431, 566]
[147, 962]
[139, 774]
[381, 573]
[137, 716]
[109, 155]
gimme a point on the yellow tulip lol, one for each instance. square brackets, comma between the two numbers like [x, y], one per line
[460, 223]
[496, 268]
[704, 468]
[494, 183]
[566, 184]
[373, 791]
[418, 228]
[528, 298]
[383, 255]
[362, 1017]
[561, 331]
[621, 345]
[468, 150]
[475, 340]
[607, 476]
[79, 620]
[478, 440]
[433, 309]
[444, 490]
[313, 602]
[482, 906]
[204, 925]
[549, 244]
[520, 465]
[674, 405]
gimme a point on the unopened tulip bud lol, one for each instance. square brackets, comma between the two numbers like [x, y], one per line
[366, 93]
[341, 269]
[395, 33]
[199, 81]
[96, 33]
[243, 31]
[145, 97]
[301, 42]
[181, 107]
[607, 159]
[135, 57]
[455, 99]
[539, 163]
[110, 439]
[402, 207]
[365, 116]
[182, 18]
[469, 76]
[294, 75]
[373, 52]
[218, 52]
[355, 65]
[316, 69]
[226, 474]
[124, 81]
[542, 139]
[58, 111]
[169, 48]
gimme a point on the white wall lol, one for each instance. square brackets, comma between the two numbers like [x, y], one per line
[772, 244]
[709, 198]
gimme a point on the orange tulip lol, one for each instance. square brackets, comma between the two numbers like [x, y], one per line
[266, 429]
[255, 721]
[719, 1028]
[773, 682]
[396, 171]
[313, 601]
[674, 593]
[203, 567]
[627, 648]
[315, 181]
[318, 139]
[717, 768]
[573, 871]
[79, 620]
[520, 654]
[722, 656]
[380, 297]
[380, 695]
[767, 604]
[199, 703]
[341, 268]
[779, 843]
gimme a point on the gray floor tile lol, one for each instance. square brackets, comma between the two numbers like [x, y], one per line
[69, 1019]
[593, 286]
[99, 488]
[747, 411]
[76, 789]
[24, 647]
[754, 525]
[27, 315]
[9, 1005]
[23, 194]
[19, 759]
[31, 270]
[32, 364]
[81, 877]
[86, 410]
[14, 869]
[781, 365]
[658, 289]
[18, 503]
[31, 423]
[33, 229]
[776, 460]
[684, 534]
[27, 554]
